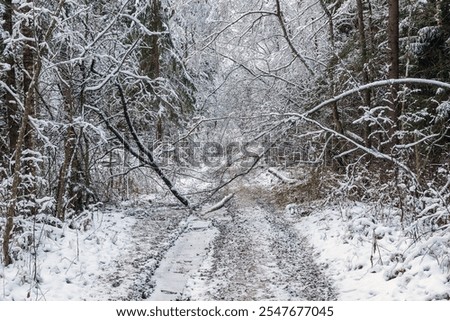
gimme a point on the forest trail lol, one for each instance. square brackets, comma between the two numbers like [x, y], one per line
[182, 259]
[247, 251]
[155, 232]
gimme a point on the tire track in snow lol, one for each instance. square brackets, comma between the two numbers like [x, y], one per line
[155, 232]
[259, 256]
[249, 252]
[244, 261]
[303, 278]
[182, 259]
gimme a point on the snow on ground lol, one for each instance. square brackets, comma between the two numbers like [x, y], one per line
[157, 228]
[251, 248]
[68, 262]
[110, 255]
[257, 256]
[184, 258]
[370, 260]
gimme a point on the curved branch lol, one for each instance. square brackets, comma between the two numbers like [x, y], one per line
[369, 150]
[380, 83]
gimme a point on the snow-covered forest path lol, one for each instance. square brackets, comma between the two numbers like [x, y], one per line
[157, 227]
[246, 251]
[258, 255]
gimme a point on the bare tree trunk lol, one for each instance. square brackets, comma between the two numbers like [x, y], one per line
[331, 74]
[10, 102]
[69, 151]
[29, 92]
[159, 129]
[66, 73]
[10, 110]
[31, 73]
[364, 62]
[14, 193]
[394, 67]
[150, 60]
[64, 174]
[25, 137]
[85, 156]
[334, 106]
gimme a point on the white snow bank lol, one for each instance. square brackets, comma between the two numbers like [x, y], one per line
[373, 261]
[69, 263]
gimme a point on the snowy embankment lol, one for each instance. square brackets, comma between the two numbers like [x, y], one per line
[370, 260]
[68, 261]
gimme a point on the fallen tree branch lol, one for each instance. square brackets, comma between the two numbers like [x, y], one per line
[143, 151]
[147, 152]
[281, 177]
[220, 204]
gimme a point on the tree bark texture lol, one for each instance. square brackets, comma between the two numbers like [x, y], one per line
[394, 65]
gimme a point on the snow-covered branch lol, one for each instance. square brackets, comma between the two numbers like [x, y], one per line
[380, 83]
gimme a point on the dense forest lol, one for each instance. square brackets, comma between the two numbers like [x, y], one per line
[106, 101]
